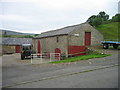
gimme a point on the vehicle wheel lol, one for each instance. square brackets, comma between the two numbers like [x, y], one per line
[115, 46]
[22, 57]
[105, 46]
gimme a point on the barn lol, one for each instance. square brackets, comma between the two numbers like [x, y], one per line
[68, 41]
[12, 45]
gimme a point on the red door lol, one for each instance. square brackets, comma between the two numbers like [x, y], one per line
[87, 38]
[17, 49]
[39, 49]
[57, 50]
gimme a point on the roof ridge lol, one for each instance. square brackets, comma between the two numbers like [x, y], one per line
[63, 28]
[61, 31]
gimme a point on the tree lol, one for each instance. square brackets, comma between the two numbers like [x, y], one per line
[36, 35]
[90, 19]
[97, 21]
[116, 18]
[103, 15]
[107, 17]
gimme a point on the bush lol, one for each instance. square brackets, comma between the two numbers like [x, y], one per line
[97, 21]
[116, 18]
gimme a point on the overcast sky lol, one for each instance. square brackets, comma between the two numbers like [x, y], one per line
[36, 16]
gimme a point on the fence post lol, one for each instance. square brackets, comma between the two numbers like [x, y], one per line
[50, 57]
[59, 56]
[41, 57]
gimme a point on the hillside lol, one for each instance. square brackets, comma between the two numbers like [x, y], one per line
[110, 30]
[9, 33]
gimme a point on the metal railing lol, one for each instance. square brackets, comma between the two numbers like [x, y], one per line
[45, 56]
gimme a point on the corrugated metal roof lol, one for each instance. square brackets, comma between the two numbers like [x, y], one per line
[15, 41]
[62, 31]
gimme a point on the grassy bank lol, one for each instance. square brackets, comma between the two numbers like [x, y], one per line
[84, 57]
[110, 30]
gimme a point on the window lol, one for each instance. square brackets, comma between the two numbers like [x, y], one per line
[57, 39]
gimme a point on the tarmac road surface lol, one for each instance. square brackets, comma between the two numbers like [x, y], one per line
[103, 78]
[92, 73]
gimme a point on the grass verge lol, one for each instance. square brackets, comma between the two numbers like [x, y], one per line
[84, 57]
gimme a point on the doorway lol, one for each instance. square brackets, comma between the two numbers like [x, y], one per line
[57, 52]
[39, 48]
[87, 38]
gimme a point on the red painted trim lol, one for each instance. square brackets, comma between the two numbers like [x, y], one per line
[79, 54]
[76, 50]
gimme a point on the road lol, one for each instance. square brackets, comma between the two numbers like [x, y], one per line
[92, 73]
[104, 78]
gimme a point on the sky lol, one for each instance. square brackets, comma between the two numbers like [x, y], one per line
[36, 16]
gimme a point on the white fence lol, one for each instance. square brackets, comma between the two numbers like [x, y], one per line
[45, 58]
[54, 57]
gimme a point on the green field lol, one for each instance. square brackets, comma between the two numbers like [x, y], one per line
[110, 30]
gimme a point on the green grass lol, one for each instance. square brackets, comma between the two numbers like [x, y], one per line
[84, 57]
[110, 30]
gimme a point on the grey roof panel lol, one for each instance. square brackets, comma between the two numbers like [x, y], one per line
[16, 41]
[62, 31]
